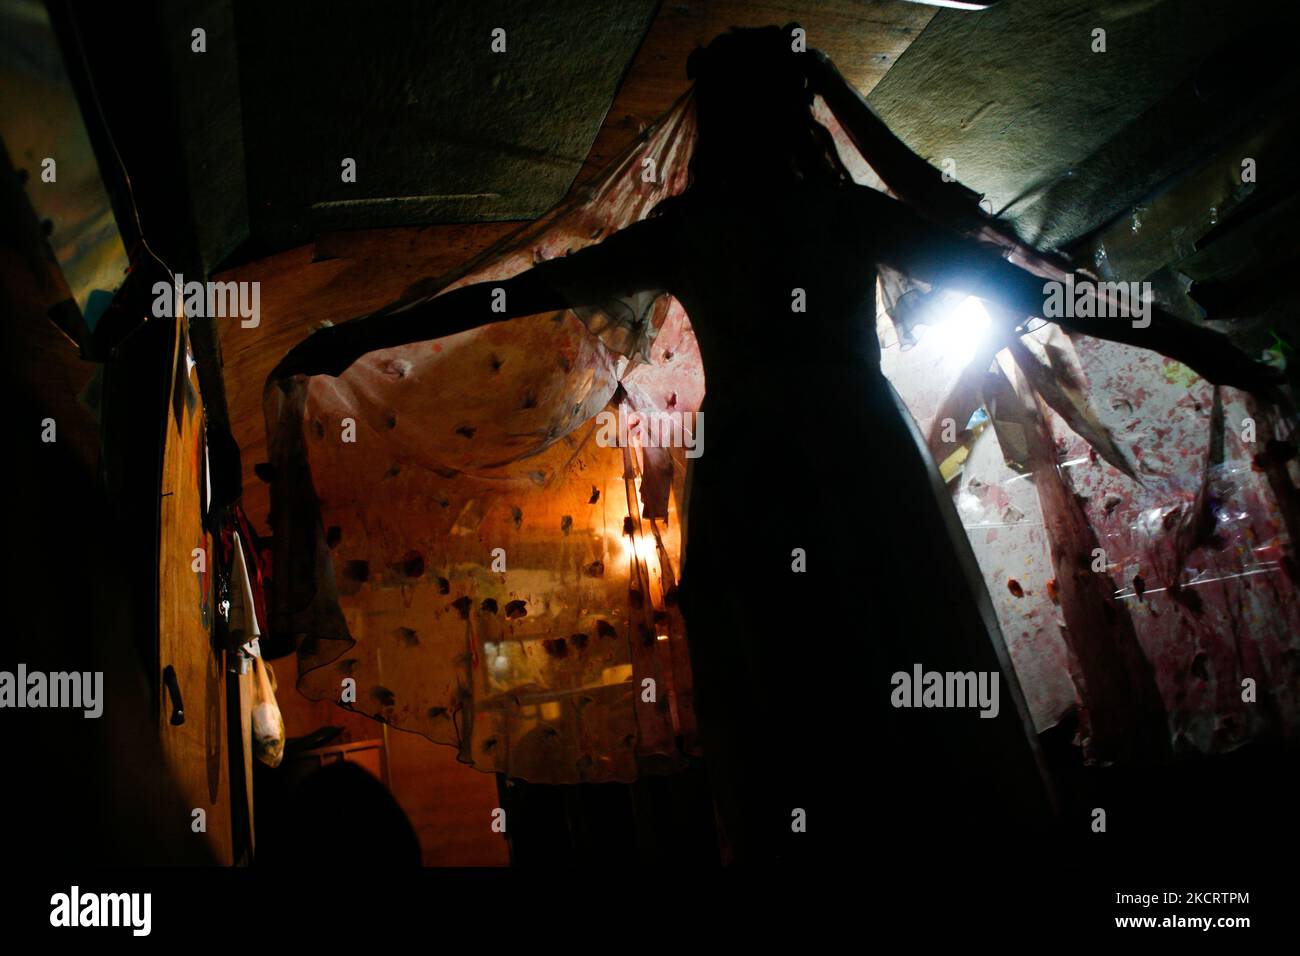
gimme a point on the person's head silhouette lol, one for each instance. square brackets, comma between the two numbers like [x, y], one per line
[753, 101]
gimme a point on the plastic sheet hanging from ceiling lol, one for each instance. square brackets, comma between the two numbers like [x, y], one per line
[534, 659]
[451, 540]
[1136, 533]
[468, 555]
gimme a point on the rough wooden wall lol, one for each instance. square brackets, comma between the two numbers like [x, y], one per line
[195, 752]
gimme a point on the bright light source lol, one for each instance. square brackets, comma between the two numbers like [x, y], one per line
[959, 4]
[959, 334]
[638, 543]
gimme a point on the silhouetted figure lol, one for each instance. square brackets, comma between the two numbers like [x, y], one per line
[809, 448]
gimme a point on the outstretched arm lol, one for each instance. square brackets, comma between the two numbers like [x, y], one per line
[914, 243]
[904, 172]
[908, 175]
[627, 262]
[902, 238]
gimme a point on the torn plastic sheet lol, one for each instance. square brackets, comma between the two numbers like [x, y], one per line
[471, 563]
[475, 566]
[1191, 561]
[481, 444]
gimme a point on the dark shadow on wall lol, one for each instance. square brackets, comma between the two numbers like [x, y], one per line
[81, 573]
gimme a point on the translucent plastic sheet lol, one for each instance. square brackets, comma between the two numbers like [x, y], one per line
[490, 576]
[481, 568]
[1195, 593]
